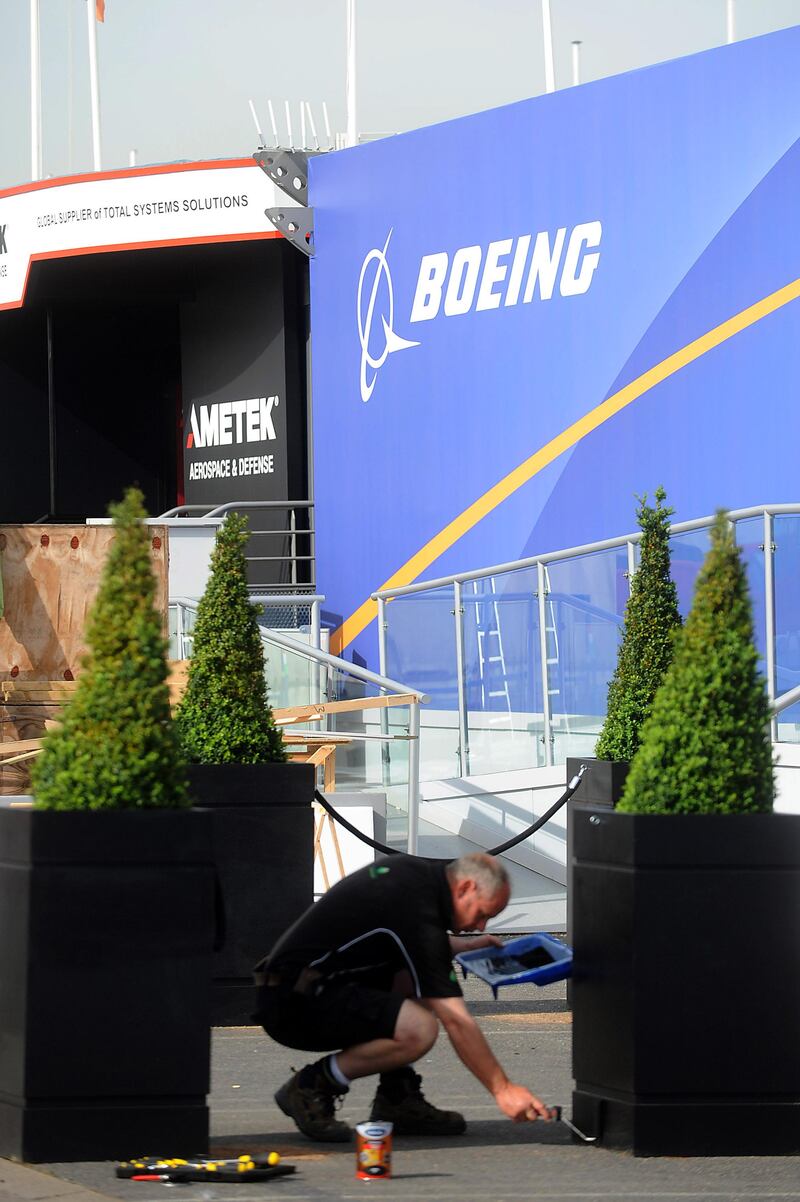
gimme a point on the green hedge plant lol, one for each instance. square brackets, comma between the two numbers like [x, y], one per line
[645, 652]
[224, 716]
[116, 746]
[706, 746]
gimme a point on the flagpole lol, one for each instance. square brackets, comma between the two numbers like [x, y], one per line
[36, 96]
[351, 137]
[547, 37]
[91, 14]
[730, 21]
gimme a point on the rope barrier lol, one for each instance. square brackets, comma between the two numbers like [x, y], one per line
[493, 851]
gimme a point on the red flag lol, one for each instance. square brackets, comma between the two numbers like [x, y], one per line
[100, 9]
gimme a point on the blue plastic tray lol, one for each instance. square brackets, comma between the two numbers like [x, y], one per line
[504, 966]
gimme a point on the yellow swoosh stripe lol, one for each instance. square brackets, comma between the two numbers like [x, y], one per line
[526, 470]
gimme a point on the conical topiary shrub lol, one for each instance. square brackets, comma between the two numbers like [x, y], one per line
[224, 716]
[116, 746]
[706, 746]
[651, 619]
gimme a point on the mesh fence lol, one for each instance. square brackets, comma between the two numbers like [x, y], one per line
[283, 615]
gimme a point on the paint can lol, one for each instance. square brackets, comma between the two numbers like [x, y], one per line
[373, 1150]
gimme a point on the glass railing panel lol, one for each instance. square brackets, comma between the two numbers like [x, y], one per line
[786, 536]
[687, 552]
[291, 678]
[750, 538]
[584, 608]
[181, 624]
[368, 762]
[421, 652]
[502, 672]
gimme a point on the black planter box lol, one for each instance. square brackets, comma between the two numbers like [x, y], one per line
[106, 929]
[263, 839]
[686, 990]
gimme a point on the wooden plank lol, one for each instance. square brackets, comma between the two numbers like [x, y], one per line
[23, 725]
[17, 759]
[29, 692]
[298, 712]
[19, 745]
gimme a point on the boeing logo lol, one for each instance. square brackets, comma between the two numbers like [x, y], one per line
[371, 363]
[507, 272]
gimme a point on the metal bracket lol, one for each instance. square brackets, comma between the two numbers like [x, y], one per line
[297, 226]
[288, 169]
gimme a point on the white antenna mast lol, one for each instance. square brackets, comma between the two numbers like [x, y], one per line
[273, 123]
[302, 124]
[289, 123]
[576, 63]
[327, 123]
[261, 139]
[312, 126]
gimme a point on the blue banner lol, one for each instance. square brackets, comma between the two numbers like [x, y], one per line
[523, 318]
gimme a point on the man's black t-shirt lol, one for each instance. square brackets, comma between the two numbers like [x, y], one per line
[393, 915]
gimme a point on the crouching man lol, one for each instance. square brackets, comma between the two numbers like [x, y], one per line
[368, 971]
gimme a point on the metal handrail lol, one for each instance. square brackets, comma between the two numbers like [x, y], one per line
[212, 511]
[541, 590]
[785, 701]
[608, 544]
[216, 513]
[325, 659]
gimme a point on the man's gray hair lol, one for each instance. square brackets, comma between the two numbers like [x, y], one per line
[487, 872]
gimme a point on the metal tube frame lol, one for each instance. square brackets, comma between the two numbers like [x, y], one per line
[413, 778]
[769, 617]
[324, 657]
[547, 733]
[463, 727]
[385, 754]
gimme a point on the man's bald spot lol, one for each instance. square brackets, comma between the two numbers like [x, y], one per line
[488, 873]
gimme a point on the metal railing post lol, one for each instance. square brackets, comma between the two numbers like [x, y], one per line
[463, 727]
[631, 565]
[547, 733]
[413, 777]
[769, 615]
[315, 624]
[179, 631]
[386, 759]
[293, 543]
[316, 674]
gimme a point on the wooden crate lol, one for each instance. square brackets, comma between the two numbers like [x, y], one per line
[51, 575]
[50, 579]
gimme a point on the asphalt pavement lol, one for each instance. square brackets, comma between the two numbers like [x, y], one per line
[529, 1028]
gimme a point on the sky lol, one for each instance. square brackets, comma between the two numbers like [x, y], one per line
[176, 75]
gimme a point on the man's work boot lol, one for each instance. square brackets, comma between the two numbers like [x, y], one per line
[399, 1100]
[309, 1098]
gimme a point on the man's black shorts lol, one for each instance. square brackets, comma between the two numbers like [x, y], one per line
[341, 1015]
